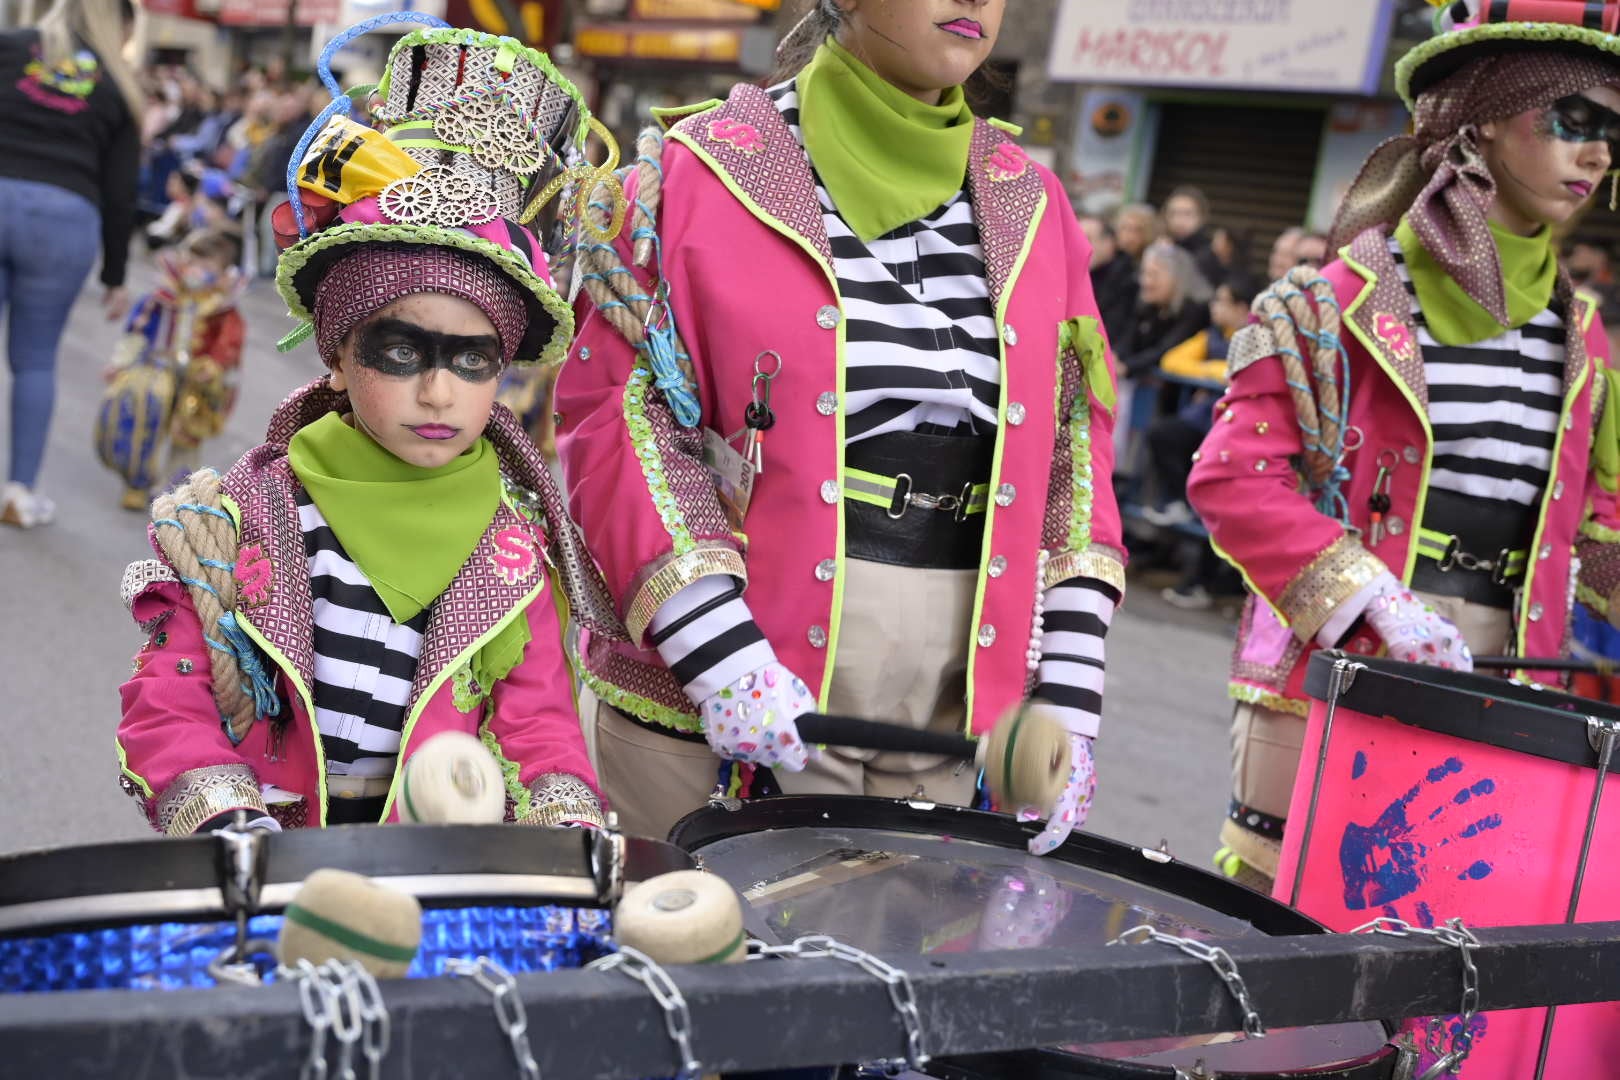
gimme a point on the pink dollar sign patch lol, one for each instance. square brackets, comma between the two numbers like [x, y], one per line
[255, 576]
[515, 556]
[743, 136]
[1008, 162]
[1396, 336]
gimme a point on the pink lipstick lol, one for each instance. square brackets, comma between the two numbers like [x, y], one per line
[1581, 188]
[963, 28]
[436, 432]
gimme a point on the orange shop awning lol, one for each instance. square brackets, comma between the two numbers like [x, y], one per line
[690, 43]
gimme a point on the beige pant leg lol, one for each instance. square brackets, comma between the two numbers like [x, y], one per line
[902, 659]
[650, 780]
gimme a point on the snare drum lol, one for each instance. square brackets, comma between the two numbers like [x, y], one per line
[1446, 795]
[893, 876]
[153, 914]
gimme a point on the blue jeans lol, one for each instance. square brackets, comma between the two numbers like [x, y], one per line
[49, 239]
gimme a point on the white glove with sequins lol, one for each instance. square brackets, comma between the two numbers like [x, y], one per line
[752, 719]
[1415, 632]
[1075, 802]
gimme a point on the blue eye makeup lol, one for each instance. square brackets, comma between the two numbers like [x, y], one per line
[403, 349]
[1577, 119]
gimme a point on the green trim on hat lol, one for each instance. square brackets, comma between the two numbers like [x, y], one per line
[1537, 33]
[458, 36]
[299, 268]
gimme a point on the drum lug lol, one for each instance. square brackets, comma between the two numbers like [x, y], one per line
[1596, 729]
[1406, 1058]
[241, 866]
[725, 802]
[1200, 1071]
[607, 860]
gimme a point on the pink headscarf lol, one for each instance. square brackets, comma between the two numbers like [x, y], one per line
[1437, 177]
[357, 286]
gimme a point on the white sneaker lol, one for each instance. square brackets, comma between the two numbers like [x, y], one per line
[24, 508]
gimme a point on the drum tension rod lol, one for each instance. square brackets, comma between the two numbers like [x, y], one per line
[1216, 957]
[241, 864]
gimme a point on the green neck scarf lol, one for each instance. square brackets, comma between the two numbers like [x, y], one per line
[886, 158]
[409, 529]
[1529, 270]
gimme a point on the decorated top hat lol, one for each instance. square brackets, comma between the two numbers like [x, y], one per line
[474, 136]
[1468, 29]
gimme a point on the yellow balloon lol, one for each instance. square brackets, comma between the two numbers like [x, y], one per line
[349, 161]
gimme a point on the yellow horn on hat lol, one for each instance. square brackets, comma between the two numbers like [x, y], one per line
[348, 161]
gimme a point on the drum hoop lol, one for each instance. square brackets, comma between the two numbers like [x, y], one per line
[723, 819]
[1048, 1064]
[1470, 711]
[202, 905]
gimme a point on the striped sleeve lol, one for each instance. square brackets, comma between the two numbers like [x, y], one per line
[1076, 616]
[707, 637]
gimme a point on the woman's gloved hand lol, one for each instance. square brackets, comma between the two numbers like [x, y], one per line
[1416, 633]
[1075, 802]
[752, 719]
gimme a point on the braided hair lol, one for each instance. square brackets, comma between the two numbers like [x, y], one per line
[821, 20]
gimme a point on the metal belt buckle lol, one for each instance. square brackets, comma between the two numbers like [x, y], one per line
[1499, 573]
[904, 501]
[1448, 561]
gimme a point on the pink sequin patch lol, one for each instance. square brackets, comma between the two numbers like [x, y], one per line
[514, 558]
[255, 576]
[744, 136]
[1395, 335]
[1008, 162]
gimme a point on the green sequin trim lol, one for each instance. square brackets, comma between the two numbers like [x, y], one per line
[1593, 530]
[1267, 699]
[640, 707]
[645, 442]
[1588, 596]
[509, 771]
[465, 692]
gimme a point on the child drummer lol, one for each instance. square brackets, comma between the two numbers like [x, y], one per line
[1455, 491]
[381, 569]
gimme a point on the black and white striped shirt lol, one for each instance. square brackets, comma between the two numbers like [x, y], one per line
[920, 351]
[364, 660]
[1494, 405]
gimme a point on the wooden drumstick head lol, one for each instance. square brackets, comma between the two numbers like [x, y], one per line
[452, 779]
[686, 917]
[1026, 758]
[338, 915]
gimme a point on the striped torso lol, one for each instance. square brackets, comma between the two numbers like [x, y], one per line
[920, 336]
[364, 660]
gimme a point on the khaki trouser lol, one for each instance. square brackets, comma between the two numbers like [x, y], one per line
[1266, 743]
[902, 658]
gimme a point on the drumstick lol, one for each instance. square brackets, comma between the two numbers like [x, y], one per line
[1597, 665]
[875, 735]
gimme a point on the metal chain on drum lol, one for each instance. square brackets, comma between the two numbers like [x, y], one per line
[509, 1011]
[1216, 957]
[314, 995]
[902, 995]
[677, 1017]
[1453, 933]
[342, 999]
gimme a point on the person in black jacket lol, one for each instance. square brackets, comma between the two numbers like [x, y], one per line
[1172, 306]
[1186, 221]
[69, 162]
[1113, 278]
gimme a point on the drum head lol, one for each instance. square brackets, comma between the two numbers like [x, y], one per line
[442, 865]
[897, 876]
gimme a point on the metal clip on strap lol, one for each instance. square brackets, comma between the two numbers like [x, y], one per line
[902, 995]
[895, 494]
[1448, 554]
[677, 1017]
[1217, 958]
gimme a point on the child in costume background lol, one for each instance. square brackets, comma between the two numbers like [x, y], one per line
[381, 570]
[172, 384]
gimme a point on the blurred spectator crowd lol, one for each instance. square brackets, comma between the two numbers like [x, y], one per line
[1172, 287]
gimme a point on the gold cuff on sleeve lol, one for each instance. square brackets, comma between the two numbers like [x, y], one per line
[199, 794]
[669, 576]
[1096, 561]
[1338, 573]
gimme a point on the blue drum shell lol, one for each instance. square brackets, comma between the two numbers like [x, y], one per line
[176, 955]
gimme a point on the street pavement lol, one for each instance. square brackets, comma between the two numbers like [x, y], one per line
[66, 641]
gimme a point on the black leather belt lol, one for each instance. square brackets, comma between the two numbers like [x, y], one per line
[933, 516]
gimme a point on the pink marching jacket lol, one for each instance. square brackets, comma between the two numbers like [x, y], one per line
[177, 760]
[1302, 564]
[749, 269]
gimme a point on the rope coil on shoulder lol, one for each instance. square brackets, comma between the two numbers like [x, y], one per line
[646, 322]
[200, 541]
[1302, 305]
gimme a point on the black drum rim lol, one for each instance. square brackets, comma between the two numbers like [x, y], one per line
[723, 819]
[1542, 722]
[176, 879]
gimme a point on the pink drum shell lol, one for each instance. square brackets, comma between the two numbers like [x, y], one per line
[1504, 855]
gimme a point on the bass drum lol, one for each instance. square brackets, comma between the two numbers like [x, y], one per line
[151, 914]
[895, 876]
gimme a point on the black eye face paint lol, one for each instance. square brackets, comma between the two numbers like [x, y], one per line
[403, 349]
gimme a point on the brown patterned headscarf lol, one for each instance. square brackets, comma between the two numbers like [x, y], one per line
[1437, 176]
